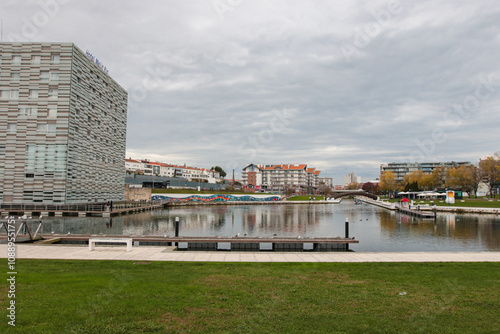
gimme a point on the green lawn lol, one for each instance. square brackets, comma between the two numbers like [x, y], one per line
[483, 202]
[306, 198]
[174, 297]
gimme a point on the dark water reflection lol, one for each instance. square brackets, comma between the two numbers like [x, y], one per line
[377, 229]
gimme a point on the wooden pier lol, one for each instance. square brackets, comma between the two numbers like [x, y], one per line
[416, 213]
[78, 210]
[243, 243]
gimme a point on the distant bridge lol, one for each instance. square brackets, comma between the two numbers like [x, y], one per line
[344, 193]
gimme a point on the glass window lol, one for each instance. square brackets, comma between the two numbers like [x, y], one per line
[53, 93]
[51, 128]
[56, 59]
[34, 93]
[28, 111]
[11, 128]
[16, 59]
[10, 94]
[42, 128]
[35, 60]
[54, 76]
[44, 76]
[15, 76]
[52, 112]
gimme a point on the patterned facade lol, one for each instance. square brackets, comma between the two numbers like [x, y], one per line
[62, 126]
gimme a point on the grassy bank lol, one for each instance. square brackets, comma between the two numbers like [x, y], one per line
[162, 297]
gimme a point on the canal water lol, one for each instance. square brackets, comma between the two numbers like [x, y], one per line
[377, 229]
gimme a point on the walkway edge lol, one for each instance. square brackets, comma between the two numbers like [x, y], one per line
[150, 253]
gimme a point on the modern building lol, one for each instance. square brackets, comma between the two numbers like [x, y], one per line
[351, 178]
[62, 126]
[295, 177]
[400, 169]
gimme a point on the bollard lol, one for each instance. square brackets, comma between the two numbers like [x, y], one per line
[176, 229]
[346, 232]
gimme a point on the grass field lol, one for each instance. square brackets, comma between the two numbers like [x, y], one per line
[175, 297]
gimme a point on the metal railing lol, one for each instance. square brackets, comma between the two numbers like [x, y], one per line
[91, 207]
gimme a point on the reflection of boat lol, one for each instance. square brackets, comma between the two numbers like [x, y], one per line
[334, 200]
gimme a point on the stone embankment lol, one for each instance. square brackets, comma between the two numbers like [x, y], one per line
[453, 209]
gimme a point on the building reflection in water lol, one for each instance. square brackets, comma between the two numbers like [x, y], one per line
[377, 229]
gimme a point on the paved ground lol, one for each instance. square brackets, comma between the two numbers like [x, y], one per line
[145, 253]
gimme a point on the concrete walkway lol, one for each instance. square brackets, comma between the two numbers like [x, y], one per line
[146, 253]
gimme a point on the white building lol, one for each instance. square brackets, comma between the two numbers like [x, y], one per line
[146, 167]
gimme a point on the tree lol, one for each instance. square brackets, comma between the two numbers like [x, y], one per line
[439, 178]
[427, 182]
[388, 181]
[460, 178]
[353, 186]
[370, 187]
[490, 171]
[220, 170]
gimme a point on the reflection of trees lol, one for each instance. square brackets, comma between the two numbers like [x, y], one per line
[463, 229]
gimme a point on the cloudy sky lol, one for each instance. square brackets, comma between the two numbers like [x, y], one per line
[340, 85]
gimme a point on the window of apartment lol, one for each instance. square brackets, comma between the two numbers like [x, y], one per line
[28, 111]
[46, 128]
[10, 94]
[54, 76]
[44, 76]
[56, 59]
[15, 76]
[35, 60]
[16, 60]
[52, 113]
[34, 93]
[41, 128]
[11, 128]
[53, 93]
[51, 128]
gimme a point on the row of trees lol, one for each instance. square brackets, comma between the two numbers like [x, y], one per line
[464, 178]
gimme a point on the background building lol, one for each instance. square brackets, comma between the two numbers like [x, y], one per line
[400, 169]
[297, 178]
[62, 126]
[351, 178]
[160, 169]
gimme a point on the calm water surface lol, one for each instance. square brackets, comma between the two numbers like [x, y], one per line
[376, 229]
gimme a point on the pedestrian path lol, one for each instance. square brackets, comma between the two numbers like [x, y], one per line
[146, 253]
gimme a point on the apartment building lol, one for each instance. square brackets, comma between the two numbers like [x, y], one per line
[296, 177]
[400, 169]
[62, 126]
[146, 167]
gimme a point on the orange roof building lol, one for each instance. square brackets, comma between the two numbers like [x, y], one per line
[297, 178]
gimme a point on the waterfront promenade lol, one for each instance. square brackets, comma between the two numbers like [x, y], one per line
[150, 253]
